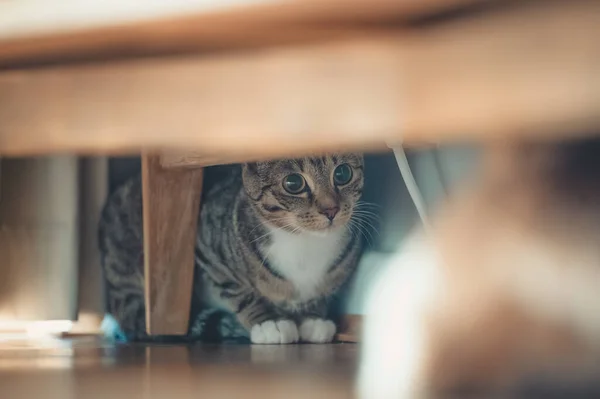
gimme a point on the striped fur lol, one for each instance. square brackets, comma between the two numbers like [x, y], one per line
[121, 250]
[270, 258]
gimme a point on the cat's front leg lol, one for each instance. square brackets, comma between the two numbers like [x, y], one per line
[273, 331]
[314, 325]
[265, 324]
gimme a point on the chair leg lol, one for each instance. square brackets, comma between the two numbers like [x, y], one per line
[171, 199]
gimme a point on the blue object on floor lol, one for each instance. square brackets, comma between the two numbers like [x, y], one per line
[111, 330]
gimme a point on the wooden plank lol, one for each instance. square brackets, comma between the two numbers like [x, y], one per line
[171, 205]
[195, 159]
[37, 32]
[244, 104]
[350, 328]
[185, 159]
[529, 70]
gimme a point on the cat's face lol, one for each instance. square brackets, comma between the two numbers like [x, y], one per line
[313, 194]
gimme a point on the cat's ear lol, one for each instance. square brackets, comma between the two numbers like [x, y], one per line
[251, 179]
[250, 168]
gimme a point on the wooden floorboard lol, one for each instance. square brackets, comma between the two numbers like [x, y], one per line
[88, 369]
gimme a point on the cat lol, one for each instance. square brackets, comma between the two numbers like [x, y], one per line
[276, 240]
[501, 296]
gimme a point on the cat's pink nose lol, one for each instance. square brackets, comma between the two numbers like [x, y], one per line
[330, 212]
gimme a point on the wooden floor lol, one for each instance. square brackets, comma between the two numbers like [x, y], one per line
[88, 369]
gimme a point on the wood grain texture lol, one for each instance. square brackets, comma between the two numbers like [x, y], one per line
[185, 159]
[122, 29]
[528, 70]
[171, 205]
[269, 103]
[78, 369]
[350, 328]
[196, 159]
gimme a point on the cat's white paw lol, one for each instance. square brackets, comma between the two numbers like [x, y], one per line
[317, 330]
[274, 332]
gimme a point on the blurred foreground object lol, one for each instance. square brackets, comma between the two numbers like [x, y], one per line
[86, 368]
[501, 298]
[279, 78]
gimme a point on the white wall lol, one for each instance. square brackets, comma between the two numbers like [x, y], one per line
[39, 238]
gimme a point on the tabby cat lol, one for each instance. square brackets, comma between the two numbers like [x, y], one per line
[275, 241]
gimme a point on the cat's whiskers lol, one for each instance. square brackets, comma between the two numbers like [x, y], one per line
[366, 207]
[350, 228]
[355, 229]
[264, 223]
[372, 215]
[365, 211]
[365, 204]
[368, 217]
[365, 219]
[296, 229]
[268, 233]
[261, 237]
[362, 229]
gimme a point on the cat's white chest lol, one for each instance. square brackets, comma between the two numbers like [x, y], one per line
[304, 259]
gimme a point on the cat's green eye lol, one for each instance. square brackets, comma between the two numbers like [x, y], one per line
[342, 174]
[294, 183]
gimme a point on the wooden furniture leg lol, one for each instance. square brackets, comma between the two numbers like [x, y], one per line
[171, 198]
